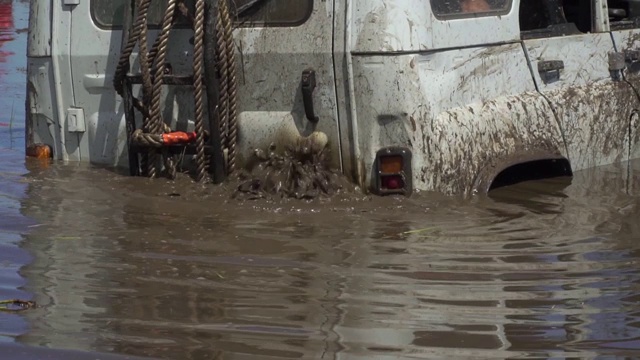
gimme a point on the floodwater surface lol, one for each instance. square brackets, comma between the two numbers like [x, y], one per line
[135, 267]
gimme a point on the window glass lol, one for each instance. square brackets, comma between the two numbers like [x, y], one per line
[110, 13]
[548, 18]
[624, 14]
[462, 8]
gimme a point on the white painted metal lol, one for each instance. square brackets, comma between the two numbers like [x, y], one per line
[75, 120]
[627, 43]
[600, 16]
[39, 39]
[462, 112]
[271, 61]
[587, 101]
[401, 26]
[42, 125]
[69, 149]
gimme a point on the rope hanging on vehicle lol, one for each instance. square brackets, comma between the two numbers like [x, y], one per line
[227, 108]
[153, 69]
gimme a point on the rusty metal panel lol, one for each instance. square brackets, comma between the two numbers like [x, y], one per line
[398, 26]
[465, 114]
[593, 109]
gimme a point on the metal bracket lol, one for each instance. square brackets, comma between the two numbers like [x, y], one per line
[75, 120]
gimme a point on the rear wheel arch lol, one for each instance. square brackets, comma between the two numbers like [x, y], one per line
[521, 166]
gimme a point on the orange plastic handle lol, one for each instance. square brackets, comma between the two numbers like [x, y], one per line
[178, 137]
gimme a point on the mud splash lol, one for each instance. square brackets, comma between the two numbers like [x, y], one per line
[300, 171]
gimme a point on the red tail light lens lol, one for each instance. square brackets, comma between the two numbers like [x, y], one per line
[393, 182]
[393, 171]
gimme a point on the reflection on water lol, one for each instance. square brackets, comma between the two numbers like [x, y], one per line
[6, 31]
[173, 270]
[12, 187]
[541, 269]
[12, 76]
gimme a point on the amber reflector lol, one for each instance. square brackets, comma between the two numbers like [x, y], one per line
[390, 164]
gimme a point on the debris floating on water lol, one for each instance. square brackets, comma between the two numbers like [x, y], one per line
[16, 305]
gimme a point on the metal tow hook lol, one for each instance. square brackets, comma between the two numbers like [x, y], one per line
[308, 85]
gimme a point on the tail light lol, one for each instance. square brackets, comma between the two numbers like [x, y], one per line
[393, 171]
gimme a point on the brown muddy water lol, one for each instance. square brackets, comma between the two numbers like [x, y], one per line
[126, 266]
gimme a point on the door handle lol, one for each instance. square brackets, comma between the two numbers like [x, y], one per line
[549, 70]
[546, 66]
[308, 85]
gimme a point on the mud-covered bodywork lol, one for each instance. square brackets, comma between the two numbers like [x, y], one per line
[627, 42]
[593, 105]
[481, 98]
[458, 120]
[469, 95]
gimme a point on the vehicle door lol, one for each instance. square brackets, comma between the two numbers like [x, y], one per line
[624, 20]
[275, 42]
[569, 55]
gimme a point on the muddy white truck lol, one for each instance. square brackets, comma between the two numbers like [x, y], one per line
[453, 96]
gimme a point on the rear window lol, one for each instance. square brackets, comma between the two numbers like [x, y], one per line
[469, 8]
[110, 13]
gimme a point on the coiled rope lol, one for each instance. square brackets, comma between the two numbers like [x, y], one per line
[153, 69]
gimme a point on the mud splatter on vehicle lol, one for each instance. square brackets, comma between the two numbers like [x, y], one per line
[301, 171]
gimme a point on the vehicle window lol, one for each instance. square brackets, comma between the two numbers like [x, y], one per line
[469, 8]
[624, 14]
[109, 13]
[546, 18]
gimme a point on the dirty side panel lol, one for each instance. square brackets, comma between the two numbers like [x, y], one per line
[395, 26]
[49, 87]
[627, 42]
[271, 63]
[61, 54]
[592, 108]
[42, 118]
[465, 114]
